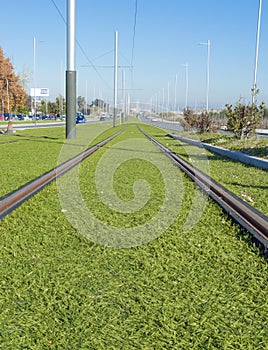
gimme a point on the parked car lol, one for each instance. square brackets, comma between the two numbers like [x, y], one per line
[80, 119]
[45, 117]
[102, 118]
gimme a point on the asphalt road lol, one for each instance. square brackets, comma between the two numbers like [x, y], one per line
[177, 126]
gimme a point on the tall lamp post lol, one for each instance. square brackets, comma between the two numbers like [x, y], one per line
[34, 48]
[208, 63]
[71, 73]
[254, 89]
[175, 97]
[186, 84]
[115, 75]
[9, 126]
[163, 104]
[8, 107]
[34, 62]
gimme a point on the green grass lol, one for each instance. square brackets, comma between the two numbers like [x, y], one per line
[29, 153]
[253, 146]
[202, 289]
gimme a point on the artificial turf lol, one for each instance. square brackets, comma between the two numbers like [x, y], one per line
[204, 287]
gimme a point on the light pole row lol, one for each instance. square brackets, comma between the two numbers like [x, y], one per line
[186, 66]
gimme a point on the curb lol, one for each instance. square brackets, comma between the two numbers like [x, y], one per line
[237, 156]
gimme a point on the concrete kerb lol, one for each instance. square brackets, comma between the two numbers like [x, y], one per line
[237, 156]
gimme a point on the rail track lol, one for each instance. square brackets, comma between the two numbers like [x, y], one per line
[245, 215]
[14, 199]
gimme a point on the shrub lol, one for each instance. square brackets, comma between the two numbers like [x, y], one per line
[244, 119]
[204, 121]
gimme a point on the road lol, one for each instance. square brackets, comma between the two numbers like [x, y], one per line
[165, 124]
[176, 126]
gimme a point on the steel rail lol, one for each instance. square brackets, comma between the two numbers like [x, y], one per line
[14, 199]
[245, 215]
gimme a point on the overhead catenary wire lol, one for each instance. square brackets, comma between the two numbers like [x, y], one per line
[85, 54]
[80, 46]
[133, 43]
[134, 33]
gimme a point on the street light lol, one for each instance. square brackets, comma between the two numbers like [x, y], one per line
[208, 62]
[163, 103]
[175, 97]
[115, 76]
[168, 101]
[8, 109]
[34, 48]
[9, 126]
[34, 58]
[186, 84]
[254, 89]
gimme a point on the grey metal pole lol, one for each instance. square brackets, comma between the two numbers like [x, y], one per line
[254, 90]
[207, 78]
[115, 76]
[208, 63]
[34, 49]
[123, 97]
[86, 99]
[163, 104]
[186, 84]
[168, 101]
[71, 73]
[175, 97]
[8, 104]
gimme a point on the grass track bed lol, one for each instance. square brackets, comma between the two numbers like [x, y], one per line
[201, 289]
[247, 182]
[29, 153]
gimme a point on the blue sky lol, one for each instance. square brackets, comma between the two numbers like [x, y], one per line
[167, 36]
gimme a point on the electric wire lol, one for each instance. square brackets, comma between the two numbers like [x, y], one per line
[134, 33]
[86, 56]
[80, 46]
[133, 43]
[59, 11]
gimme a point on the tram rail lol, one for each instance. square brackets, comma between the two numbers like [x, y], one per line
[241, 212]
[12, 200]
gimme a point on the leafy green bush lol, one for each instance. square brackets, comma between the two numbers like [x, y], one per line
[244, 119]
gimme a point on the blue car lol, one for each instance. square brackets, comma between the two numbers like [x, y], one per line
[80, 119]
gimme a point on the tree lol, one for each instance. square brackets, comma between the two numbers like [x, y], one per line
[204, 122]
[51, 107]
[61, 105]
[99, 103]
[81, 103]
[12, 93]
[189, 119]
[43, 107]
[244, 119]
